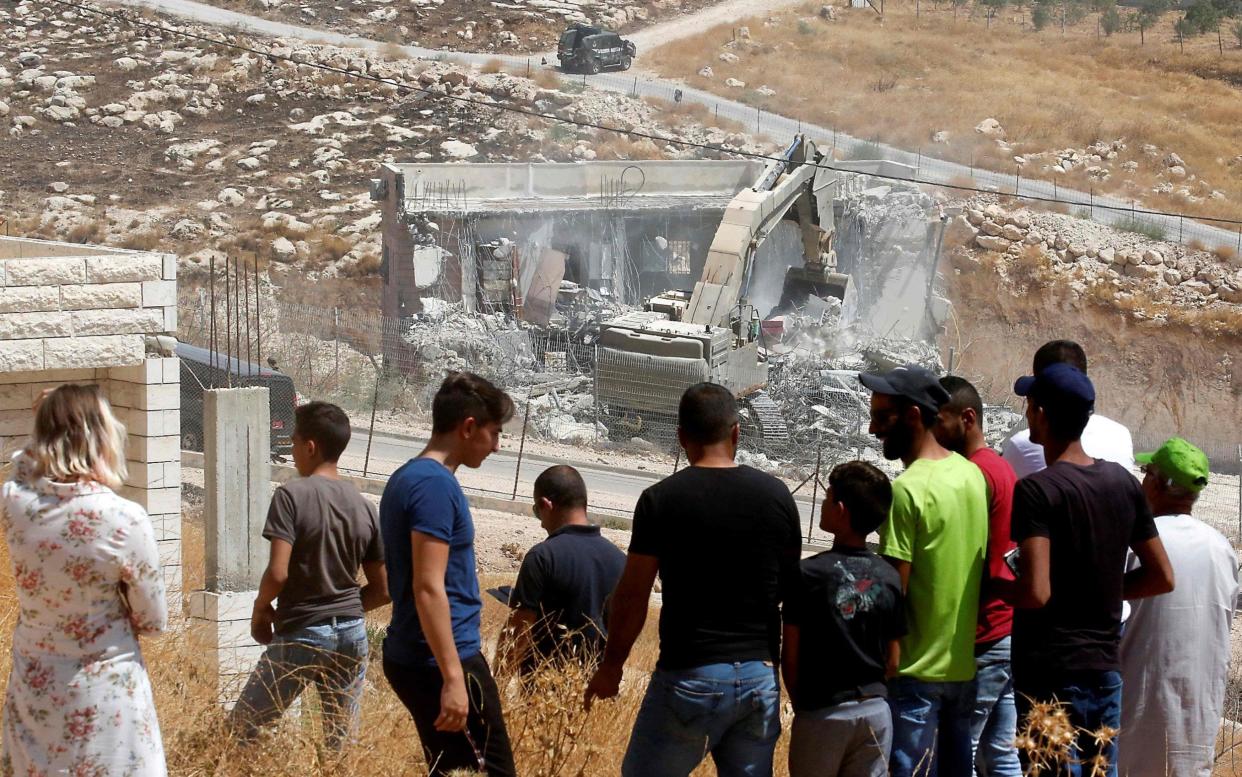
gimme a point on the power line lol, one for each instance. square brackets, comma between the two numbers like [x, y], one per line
[424, 92]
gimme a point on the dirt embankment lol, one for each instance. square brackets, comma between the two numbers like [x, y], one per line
[1159, 379]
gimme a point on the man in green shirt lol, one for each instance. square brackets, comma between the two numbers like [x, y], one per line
[936, 537]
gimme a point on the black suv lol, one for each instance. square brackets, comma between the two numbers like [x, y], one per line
[201, 370]
[588, 49]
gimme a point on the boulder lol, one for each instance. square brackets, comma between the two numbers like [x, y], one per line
[185, 229]
[1107, 254]
[230, 197]
[941, 136]
[729, 57]
[458, 150]
[735, 83]
[765, 90]
[989, 227]
[1177, 171]
[1153, 257]
[1145, 272]
[991, 243]
[1230, 293]
[249, 163]
[975, 217]
[1172, 160]
[126, 63]
[1076, 251]
[283, 249]
[1172, 277]
[707, 72]
[990, 127]
[1011, 232]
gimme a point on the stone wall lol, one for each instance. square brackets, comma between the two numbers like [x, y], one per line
[94, 315]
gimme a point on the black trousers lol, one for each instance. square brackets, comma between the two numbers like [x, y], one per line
[483, 746]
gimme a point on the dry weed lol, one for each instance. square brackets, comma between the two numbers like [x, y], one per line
[492, 66]
[141, 240]
[546, 78]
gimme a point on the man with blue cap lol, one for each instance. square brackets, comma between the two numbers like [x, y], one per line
[1073, 523]
[1175, 649]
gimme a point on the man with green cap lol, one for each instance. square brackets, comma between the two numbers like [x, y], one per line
[1175, 648]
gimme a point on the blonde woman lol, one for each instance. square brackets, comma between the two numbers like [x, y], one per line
[88, 583]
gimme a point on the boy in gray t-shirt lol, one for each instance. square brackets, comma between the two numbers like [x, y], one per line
[321, 530]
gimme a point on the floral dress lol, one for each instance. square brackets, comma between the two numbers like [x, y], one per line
[88, 580]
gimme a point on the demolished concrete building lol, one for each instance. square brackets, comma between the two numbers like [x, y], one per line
[499, 236]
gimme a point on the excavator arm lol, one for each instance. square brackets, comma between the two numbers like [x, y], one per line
[788, 187]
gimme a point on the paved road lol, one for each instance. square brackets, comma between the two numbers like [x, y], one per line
[1108, 210]
[612, 490]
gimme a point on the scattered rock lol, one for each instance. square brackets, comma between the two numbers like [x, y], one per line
[990, 127]
[735, 83]
[707, 72]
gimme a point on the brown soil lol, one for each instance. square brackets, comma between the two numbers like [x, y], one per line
[1159, 379]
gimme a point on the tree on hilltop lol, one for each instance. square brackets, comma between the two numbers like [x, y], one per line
[1149, 13]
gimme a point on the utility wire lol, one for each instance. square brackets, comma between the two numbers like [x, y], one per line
[133, 20]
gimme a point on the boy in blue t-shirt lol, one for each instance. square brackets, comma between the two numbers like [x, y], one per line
[841, 636]
[432, 656]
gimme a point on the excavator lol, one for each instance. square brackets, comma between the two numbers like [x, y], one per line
[647, 359]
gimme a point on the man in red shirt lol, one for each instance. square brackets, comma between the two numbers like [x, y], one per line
[994, 724]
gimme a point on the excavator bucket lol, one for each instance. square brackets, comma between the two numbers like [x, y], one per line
[803, 282]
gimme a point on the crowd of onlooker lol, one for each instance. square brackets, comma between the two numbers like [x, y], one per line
[1043, 581]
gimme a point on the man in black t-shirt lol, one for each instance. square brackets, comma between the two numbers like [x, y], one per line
[725, 541]
[564, 583]
[1073, 523]
[841, 636]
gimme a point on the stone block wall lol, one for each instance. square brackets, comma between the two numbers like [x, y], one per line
[87, 314]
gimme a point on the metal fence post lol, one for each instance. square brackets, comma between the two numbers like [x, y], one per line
[366, 462]
[517, 471]
[1240, 492]
[819, 452]
[336, 350]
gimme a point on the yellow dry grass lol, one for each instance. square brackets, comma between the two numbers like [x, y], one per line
[905, 78]
[552, 735]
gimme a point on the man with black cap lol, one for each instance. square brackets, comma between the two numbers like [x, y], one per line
[1175, 648]
[936, 537]
[1073, 523]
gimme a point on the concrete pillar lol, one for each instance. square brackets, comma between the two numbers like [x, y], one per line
[237, 471]
[238, 475]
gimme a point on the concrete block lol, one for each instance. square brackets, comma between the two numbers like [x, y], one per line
[170, 267]
[153, 474]
[2, 275]
[150, 449]
[170, 318]
[28, 326]
[46, 271]
[148, 423]
[16, 396]
[150, 371]
[237, 458]
[29, 299]
[22, 356]
[218, 606]
[121, 268]
[172, 368]
[167, 526]
[142, 396]
[50, 377]
[16, 423]
[157, 294]
[169, 552]
[154, 500]
[93, 351]
[97, 296]
[116, 322]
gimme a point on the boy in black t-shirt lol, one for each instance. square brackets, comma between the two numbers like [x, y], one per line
[841, 636]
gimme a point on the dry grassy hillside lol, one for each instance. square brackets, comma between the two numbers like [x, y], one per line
[904, 78]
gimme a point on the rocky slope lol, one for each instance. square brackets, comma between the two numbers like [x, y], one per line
[147, 139]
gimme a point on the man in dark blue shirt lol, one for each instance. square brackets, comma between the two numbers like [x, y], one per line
[432, 651]
[564, 584]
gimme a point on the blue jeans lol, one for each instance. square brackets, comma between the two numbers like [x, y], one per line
[994, 726]
[931, 727]
[729, 710]
[332, 656]
[1093, 701]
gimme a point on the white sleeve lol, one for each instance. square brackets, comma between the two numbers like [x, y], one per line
[1024, 456]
